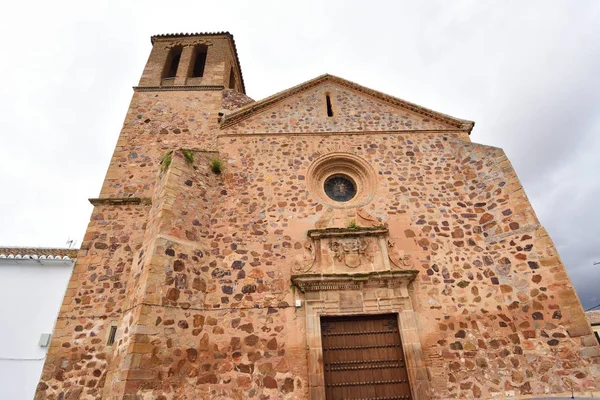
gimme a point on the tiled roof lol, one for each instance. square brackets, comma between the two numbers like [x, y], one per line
[182, 34]
[237, 59]
[37, 253]
[593, 317]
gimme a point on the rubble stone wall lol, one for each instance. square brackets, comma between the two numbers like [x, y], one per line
[353, 111]
[195, 268]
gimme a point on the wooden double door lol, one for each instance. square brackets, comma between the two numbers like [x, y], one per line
[363, 358]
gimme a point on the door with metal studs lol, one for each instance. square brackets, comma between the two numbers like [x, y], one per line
[363, 358]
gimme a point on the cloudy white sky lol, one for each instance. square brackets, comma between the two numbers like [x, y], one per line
[528, 73]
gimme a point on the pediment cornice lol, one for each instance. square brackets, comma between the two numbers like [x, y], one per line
[256, 107]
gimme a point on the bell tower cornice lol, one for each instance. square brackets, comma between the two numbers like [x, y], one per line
[202, 61]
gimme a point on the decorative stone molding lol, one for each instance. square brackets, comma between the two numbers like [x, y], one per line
[347, 232]
[343, 250]
[193, 36]
[361, 294]
[397, 260]
[120, 201]
[308, 259]
[367, 218]
[187, 43]
[176, 88]
[357, 272]
[166, 36]
[360, 281]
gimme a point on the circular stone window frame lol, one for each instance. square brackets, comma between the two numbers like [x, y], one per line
[345, 164]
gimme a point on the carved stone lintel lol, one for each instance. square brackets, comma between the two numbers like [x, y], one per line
[385, 279]
[347, 232]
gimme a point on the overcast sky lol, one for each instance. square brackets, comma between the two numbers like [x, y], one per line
[528, 74]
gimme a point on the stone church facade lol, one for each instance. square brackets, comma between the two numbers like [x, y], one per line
[329, 241]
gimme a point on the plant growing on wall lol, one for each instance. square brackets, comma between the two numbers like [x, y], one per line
[352, 224]
[166, 160]
[216, 165]
[188, 155]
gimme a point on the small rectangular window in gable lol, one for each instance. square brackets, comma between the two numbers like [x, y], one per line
[329, 108]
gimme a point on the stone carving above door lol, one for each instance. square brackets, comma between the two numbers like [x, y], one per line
[305, 262]
[398, 258]
[351, 250]
[343, 250]
[356, 271]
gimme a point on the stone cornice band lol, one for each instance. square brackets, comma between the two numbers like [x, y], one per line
[112, 201]
[346, 232]
[320, 282]
[248, 110]
[176, 88]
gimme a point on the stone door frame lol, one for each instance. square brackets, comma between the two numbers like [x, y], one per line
[361, 294]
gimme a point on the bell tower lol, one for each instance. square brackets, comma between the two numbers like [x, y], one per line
[97, 350]
[182, 60]
[187, 81]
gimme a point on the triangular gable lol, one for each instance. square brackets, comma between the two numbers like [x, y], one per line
[302, 108]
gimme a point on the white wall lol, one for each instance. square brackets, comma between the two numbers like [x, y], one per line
[31, 292]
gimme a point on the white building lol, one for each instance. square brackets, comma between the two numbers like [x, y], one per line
[32, 285]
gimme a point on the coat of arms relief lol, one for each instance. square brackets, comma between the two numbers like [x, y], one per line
[351, 251]
[334, 250]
